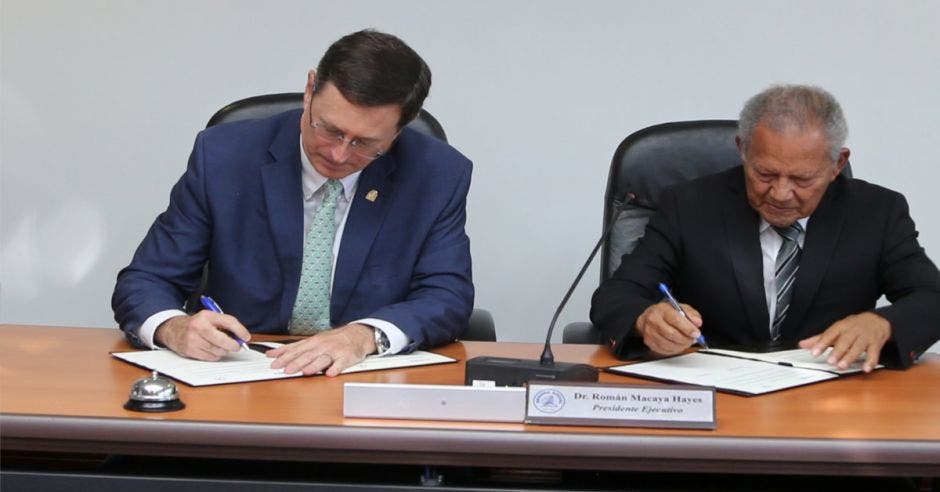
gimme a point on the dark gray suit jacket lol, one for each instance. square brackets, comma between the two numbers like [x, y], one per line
[704, 242]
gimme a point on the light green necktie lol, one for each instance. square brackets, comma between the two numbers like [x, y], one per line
[312, 307]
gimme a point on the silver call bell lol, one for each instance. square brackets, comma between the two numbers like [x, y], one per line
[154, 393]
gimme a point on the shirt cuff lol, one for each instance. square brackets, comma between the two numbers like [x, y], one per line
[146, 330]
[397, 340]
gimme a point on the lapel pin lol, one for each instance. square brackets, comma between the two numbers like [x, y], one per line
[372, 195]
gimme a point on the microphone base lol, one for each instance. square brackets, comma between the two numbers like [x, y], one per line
[502, 371]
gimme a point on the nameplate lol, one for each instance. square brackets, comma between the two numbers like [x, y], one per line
[433, 402]
[621, 405]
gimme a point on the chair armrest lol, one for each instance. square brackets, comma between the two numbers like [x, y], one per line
[581, 332]
[481, 328]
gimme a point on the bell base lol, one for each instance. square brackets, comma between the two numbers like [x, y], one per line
[154, 406]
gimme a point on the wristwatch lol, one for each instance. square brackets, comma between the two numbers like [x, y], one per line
[381, 341]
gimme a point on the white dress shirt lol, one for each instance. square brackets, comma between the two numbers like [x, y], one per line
[312, 183]
[770, 243]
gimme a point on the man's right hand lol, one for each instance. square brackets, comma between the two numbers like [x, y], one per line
[201, 336]
[667, 332]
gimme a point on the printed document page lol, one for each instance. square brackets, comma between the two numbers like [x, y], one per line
[250, 365]
[727, 373]
[796, 358]
[934, 349]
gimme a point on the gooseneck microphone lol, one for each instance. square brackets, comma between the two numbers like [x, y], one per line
[502, 371]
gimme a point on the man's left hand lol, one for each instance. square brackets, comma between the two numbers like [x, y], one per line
[849, 338]
[330, 351]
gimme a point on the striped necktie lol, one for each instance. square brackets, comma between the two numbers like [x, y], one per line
[312, 307]
[788, 262]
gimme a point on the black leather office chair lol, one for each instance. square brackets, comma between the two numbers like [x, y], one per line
[272, 104]
[481, 326]
[645, 163]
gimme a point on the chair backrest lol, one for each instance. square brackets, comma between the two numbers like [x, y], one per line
[272, 104]
[651, 159]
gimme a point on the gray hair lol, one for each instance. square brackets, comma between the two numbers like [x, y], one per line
[782, 106]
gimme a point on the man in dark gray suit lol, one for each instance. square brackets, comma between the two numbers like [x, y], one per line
[779, 251]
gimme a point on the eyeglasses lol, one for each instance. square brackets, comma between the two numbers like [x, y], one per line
[331, 135]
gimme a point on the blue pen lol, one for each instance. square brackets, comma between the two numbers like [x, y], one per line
[209, 303]
[672, 300]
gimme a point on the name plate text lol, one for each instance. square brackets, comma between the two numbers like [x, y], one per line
[686, 407]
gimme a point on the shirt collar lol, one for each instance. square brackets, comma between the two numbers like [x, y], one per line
[313, 181]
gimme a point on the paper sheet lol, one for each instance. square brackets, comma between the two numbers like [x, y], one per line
[727, 373]
[796, 358]
[934, 349]
[244, 366]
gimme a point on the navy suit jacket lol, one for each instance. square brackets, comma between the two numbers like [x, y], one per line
[404, 256]
[704, 242]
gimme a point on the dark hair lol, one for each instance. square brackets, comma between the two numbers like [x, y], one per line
[371, 68]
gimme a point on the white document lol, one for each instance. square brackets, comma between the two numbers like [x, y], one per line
[934, 349]
[795, 358]
[250, 365]
[725, 373]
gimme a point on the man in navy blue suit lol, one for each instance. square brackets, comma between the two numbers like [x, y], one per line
[383, 268]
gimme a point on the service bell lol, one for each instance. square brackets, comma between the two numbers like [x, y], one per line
[154, 393]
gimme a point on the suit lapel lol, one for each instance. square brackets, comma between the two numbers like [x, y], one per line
[362, 224]
[822, 235]
[742, 233]
[283, 198]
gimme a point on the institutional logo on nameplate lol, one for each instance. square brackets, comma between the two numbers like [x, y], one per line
[687, 407]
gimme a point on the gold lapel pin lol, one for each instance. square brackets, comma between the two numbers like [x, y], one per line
[372, 195]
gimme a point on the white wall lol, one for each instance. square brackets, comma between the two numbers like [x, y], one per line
[101, 101]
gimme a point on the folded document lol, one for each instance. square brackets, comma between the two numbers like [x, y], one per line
[252, 365]
[746, 373]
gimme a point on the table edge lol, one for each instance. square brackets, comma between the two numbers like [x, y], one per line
[580, 449]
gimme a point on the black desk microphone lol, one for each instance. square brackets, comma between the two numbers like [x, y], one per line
[503, 371]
